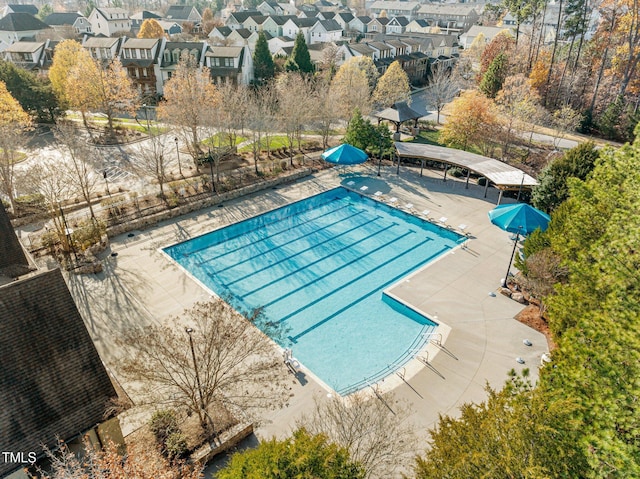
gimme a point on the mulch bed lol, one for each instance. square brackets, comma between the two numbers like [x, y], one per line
[531, 317]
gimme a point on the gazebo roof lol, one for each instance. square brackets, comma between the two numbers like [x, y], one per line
[399, 113]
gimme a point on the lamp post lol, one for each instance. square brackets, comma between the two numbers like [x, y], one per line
[213, 183]
[520, 189]
[178, 153]
[68, 232]
[195, 367]
[380, 153]
[106, 182]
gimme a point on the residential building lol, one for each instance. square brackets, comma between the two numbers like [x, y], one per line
[237, 19]
[449, 17]
[138, 56]
[344, 19]
[28, 55]
[350, 50]
[419, 25]
[295, 25]
[377, 26]
[169, 57]
[325, 31]
[395, 8]
[381, 50]
[359, 24]
[19, 26]
[71, 20]
[230, 64]
[488, 34]
[277, 44]
[397, 25]
[104, 49]
[109, 21]
[54, 386]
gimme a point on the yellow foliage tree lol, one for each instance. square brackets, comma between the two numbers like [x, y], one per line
[151, 29]
[64, 60]
[469, 121]
[107, 89]
[350, 89]
[392, 87]
[540, 71]
[13, 122]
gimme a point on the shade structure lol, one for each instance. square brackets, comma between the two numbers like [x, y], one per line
[345, 154]
[519, 218]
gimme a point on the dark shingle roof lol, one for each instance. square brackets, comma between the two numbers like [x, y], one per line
[330, 25]
[61, 18]
[12, 257]
[179, 12]
[52, 381]
[30, 9]
[399, 112]
[21, 22]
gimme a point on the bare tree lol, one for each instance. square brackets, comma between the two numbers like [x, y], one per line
[294, 107]
[262, 105]
[152, 161]
[81, 164]
[375, 430]
[324, 113]
[220, 358]
[441, 90]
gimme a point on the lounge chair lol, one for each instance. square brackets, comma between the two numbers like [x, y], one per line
[409, 207]
[364, 188]
[443, 221]
[392, 201]
[351, 183]
[425, 213]
[463, 229]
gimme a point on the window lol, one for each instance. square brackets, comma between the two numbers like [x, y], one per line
[127, 53]
[169, 75]
[167, 56]
[228, 62]
[144, 73]
[176, 55]
[216, 62]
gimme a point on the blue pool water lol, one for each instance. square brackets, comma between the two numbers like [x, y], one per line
[318, 267]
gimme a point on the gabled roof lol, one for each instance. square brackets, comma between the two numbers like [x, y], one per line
[326, 15]
[399, 112]
[30, 9]
[361, 48]
[281, 19]
[381, 20]
[330, 25]
[100, 42]
[304, 22]
[394, 5]
[12, 257]
[179, 12]
[241, 17]
[421, 22]
[346, 16]
[21, 22]
[243, 32]
[446, 9]
[401, 20]
[25, 47]
[144, 14]
[53, 384]
[381, 46]
[224, 31]
[364, 19]
[224, 52]
[143, 43]
[108, 12]
[67, 18]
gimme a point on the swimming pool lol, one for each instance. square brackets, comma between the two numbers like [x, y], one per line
[319, 267]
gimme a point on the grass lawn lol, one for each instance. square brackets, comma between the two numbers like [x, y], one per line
[221, 139]
[429, 138]
[277, 141]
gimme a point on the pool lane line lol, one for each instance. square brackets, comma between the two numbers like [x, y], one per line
[316, 261]
[339, 268]
[305, 250]
[264, 225]
[251, 243]
[361, 298]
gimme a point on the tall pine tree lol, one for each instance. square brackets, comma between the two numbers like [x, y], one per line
[493, 79]
[300, 59]
[263, 66]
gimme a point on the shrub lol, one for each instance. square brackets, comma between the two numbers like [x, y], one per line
[88, 233]
[175, 446]
[163, 424]
[482, 181]
[456, 172]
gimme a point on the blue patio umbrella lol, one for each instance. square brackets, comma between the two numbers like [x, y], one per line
[345, 154]
[521, 219]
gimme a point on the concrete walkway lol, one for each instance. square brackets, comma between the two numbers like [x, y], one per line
[140, 285]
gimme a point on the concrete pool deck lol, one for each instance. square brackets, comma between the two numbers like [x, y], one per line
[141, 285]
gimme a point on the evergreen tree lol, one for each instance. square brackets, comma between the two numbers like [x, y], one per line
[493, 79]
[300, 59]
[35, 94]
[362, 134]
[263, 66]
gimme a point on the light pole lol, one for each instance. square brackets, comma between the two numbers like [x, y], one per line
[213, 183]
[106, 182]
[178, 153]
[380, 153]
[195, 367]
[520, 189]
